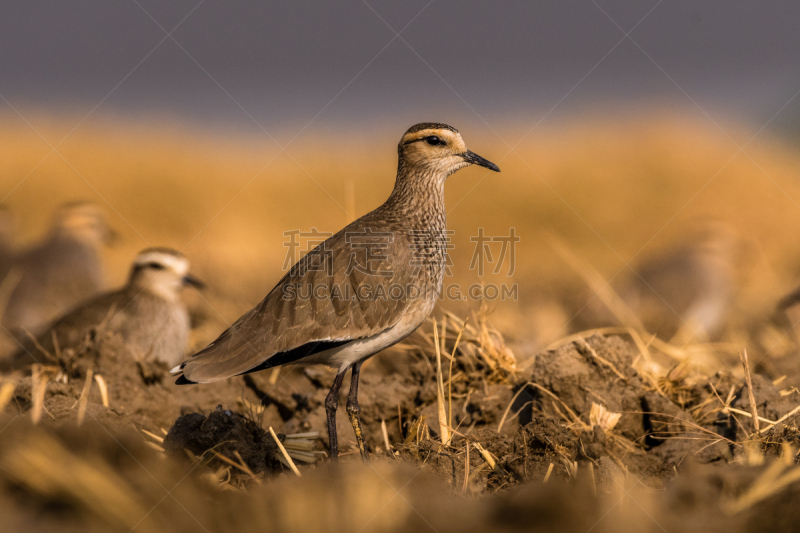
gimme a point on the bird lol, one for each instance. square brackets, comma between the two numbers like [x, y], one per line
[687, 292]
[363, 289]
[147, 313]
[60, 272]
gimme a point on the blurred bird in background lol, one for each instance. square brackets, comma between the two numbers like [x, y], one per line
[785, 318]
[147, 313]
[686, 293]
[60, 272]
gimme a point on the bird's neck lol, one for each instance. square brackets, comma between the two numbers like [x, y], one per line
[418, 197]
[160, 289]
[74, 239]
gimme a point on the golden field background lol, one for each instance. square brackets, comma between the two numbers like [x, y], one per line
[615, 189]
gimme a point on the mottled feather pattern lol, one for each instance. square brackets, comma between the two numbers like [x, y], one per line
[151, 327]
[279, 324]
[371, 307]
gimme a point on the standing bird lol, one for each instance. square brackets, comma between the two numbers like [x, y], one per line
[687, 292]
[147, 313]
[59, 273]
[362, 290]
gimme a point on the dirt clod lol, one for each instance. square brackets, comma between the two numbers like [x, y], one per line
[227, 433]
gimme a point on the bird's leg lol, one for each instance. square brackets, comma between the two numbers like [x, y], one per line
[353, 411]
[331, 404]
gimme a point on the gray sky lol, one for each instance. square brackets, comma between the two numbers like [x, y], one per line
[286, 62]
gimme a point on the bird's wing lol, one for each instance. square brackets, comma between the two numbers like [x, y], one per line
[338, 292]
[71, 330]
[54, 277]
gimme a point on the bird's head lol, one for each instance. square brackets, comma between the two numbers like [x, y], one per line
[84, 222]
[439, 148]
[162, 272]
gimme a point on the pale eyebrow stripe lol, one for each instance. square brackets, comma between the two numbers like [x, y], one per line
[444, 141]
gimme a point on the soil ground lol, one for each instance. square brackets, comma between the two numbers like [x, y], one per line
[598, 431]
[575, 439]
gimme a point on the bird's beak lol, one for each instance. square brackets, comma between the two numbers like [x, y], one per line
[192, 281]
[474, 159]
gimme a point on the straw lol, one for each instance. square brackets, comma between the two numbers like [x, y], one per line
[443, 429]
[38, 388]
[101, 384]
[753, 408]
[486, 456]
[547, 475]
[385, 433]
[6, 393]
[285, 454]
[466, 468]
[84, 399]
[450, 376]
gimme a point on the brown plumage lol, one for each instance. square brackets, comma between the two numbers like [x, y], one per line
[362, 290]
[687, 292]
[60, 272]
[147, 313]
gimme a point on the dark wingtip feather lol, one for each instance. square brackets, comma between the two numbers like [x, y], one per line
[183, 381]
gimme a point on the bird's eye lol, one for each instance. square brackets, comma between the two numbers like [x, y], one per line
[155, 266]
[433, 140]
